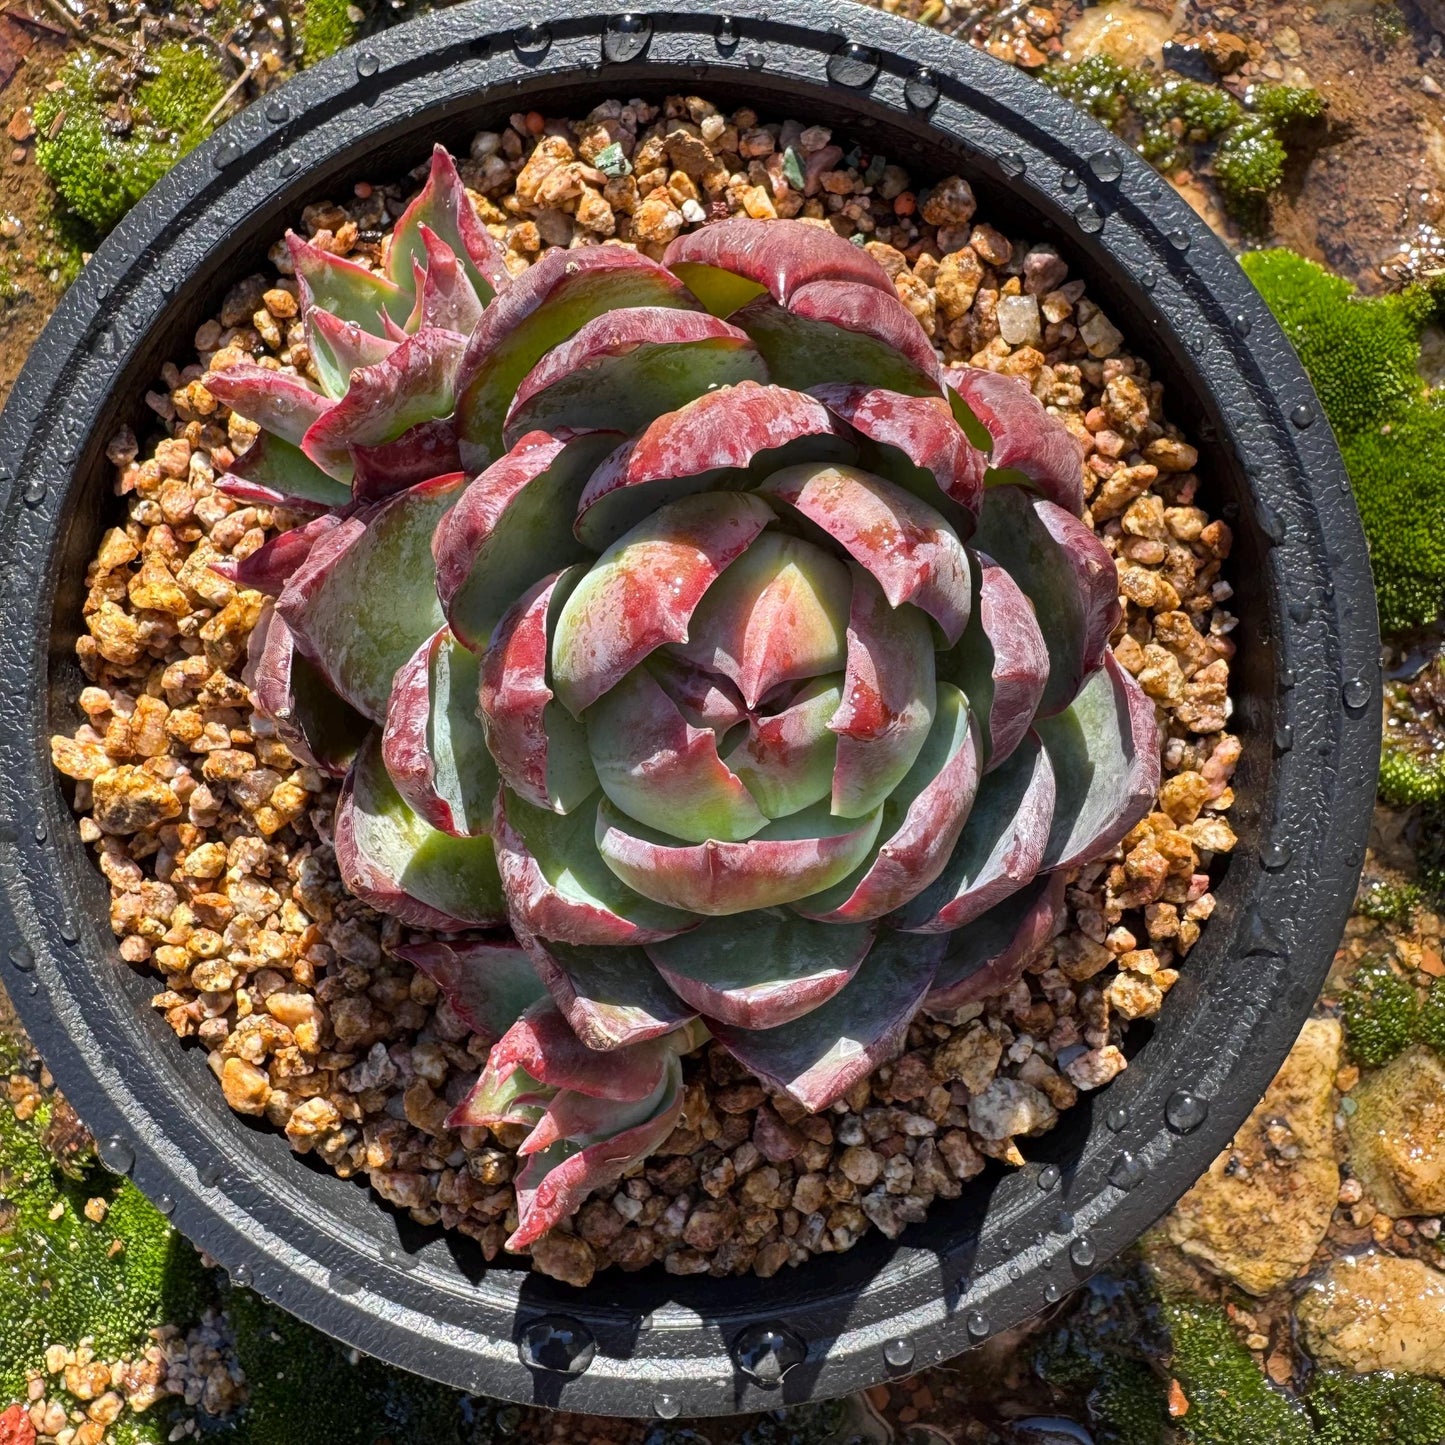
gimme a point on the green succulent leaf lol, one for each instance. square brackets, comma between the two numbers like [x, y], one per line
[818, 1057]
[612, 996]
[433, 744]
[778, 614]
[558, 887]
[659, 769]
[643, 590]
[364, 599]
[787, 758]
[627, 368]
[763, 969]
[990, 955]
[550, 301]
[1000, 849]
[791, 858]
[512, 525]
[889, 698]
[1105, 752]
[397, 862]
[1065, 571]
[275, 472]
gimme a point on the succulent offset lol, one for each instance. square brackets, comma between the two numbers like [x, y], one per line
[700, 657]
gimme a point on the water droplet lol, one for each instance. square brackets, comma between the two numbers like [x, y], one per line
[34, 492]
[625, 37]
[531, 42]
[1303, 415]
[1068, 181]
[210, 1175]
[398, 1258]
[103, 343]
[1300, 609]
[1357, 692]
[367, 64]
[1117, 1118]
[165, 1204]
[1014, 1272]
[1083, 1252]
[68, 931]
[1283, 738]
[116, 1154]
[1275, 856]
[1185, 1111]
[899, 1353]
[1127, 1173]
[1011, 163]
[1064, 1222]
[727, 37]
[766, 1352]
[242, 1275]
[277, 111]
[854, 65]
[667, 1407]
[39, 830]
[920, 90]
[1271, 523]
[557, 1344]
[1049, 1177]
[1105, 164]
[1287, 676]
[23, 957]
[342, 1284]
[289, 164]
[977, 1325]
[1148, 280]
[755, 59]
[1052, 1292]
[225, 154]
[1089, 217]
[1179, 240]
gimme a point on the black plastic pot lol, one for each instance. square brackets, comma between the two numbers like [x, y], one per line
[1306, 694]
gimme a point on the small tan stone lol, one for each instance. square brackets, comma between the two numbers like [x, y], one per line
[1377, 1312]
[1255, 1217]
[1397, 1135]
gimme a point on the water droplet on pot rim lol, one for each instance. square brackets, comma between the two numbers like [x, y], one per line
[854, 65]
[116, 1154]
[921, 89]
[1185, 1111]
[667, 1407]
[899, 1353]
[766, 1352]
[1105, 165]
[977, 1325]
[1083, 1251]
[1357, 692]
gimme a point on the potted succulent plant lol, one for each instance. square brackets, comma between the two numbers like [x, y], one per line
[700, 658]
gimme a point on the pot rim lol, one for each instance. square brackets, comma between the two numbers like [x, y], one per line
[1308, 684]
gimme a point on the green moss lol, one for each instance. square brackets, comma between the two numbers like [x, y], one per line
[1362, 354]
[1230, 1401]
[326, 26]
[1431, 1028]
[1165, 117]
[1381, 1014]
[100, 173]
[1393, 903]
[361, 1402]
[1383, 1409]
[63, 1279]
[1405, 780]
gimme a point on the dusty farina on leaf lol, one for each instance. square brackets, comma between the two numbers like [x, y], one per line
[699, 657]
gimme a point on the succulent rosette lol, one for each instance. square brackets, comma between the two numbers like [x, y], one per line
[689, 620]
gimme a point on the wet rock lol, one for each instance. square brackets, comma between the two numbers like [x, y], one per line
[1262, 1209]
[1397, 1135]
[1377, 1312]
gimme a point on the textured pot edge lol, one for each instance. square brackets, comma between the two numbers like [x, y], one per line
[937, 1316]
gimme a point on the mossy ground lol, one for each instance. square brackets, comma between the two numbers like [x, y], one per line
[1363, 356]
[100, 172]
[1171, 119]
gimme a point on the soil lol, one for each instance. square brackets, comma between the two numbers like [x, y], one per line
[1367, 199]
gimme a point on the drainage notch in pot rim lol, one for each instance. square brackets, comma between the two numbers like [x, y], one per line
[1306, 674]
